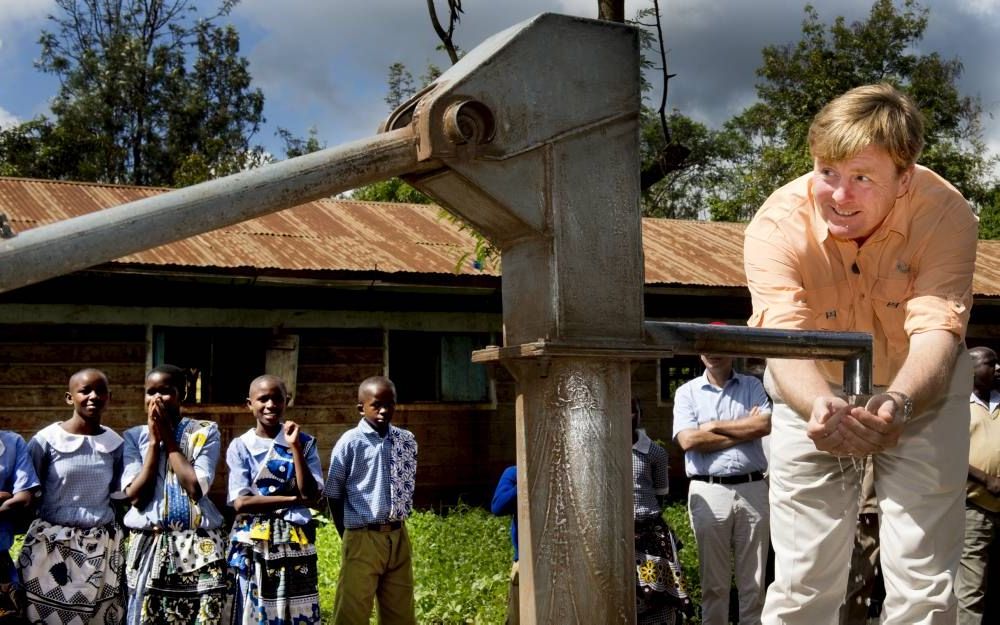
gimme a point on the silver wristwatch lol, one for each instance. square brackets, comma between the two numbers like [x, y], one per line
[904, 403]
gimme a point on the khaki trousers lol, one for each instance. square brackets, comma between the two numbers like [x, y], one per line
[730, 523]
[375, 565]
[920, 486]
[970, 588]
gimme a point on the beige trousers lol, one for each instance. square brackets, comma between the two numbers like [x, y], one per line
[920, 486]
[731, 528]
[375, 566]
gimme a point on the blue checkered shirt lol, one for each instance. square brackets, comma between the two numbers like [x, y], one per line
[650, 465]
[374, 476]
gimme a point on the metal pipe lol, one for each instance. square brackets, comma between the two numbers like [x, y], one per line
[73, 244]
[853, 348]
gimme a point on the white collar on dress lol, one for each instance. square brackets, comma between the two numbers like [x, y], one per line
[643, 443]
[257, 445]
[62, 441]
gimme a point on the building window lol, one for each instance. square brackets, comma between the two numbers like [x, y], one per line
[220, 362]
[676, 371]
[437, 367]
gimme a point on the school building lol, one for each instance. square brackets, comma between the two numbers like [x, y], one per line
[326, 294]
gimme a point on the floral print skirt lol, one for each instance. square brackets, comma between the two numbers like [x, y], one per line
[177, 578]
[661, 595]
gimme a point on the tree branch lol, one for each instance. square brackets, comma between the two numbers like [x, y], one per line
[454, 8]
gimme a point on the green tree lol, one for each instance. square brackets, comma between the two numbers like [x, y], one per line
[149, 94]
[989, 215]
[400, 85]
[391, 190]
[766, 145]
[297, 146]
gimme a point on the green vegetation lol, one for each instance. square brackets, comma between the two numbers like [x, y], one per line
[461, 566]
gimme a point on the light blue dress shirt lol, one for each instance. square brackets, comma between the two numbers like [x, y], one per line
[699, 401]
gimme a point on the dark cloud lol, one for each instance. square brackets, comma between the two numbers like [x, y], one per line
[325, 64]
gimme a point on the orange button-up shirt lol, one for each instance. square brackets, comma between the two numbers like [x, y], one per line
[912, 275]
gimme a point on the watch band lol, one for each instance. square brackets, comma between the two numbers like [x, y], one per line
[902, 401]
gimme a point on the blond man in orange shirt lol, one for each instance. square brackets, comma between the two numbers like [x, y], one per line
[868, 241]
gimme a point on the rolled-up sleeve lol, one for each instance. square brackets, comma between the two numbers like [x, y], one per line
[942, 290]
[774, 280]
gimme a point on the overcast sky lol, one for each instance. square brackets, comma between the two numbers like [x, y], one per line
[323, 63]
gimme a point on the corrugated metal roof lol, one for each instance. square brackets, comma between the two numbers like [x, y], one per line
[702, 253]
[343, 235]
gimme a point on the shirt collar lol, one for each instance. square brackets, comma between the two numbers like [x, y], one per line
[367, 429]
[994, 400]
[64, 442]
[706, 382]
[643, 442]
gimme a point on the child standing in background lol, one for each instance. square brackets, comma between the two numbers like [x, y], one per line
[17, 480]
[661, 593]
[176, 557]
[72, 557]
[274, 473]
[370, 487]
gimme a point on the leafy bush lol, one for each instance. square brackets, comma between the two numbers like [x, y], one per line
[676, 516]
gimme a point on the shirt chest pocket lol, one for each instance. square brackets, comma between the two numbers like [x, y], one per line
[889, 296]
[825, 304]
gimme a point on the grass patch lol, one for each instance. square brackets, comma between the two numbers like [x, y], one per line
[461, 564]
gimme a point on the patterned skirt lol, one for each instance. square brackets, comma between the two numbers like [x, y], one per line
[177, 578]
[274, 565]
[661, 594]
[72, 575]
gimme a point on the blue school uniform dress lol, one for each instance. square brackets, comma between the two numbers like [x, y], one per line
[272, 555]
[176, 565]
[16, 475]
[73, 554]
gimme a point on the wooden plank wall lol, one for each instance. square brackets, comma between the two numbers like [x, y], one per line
[37, 360]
